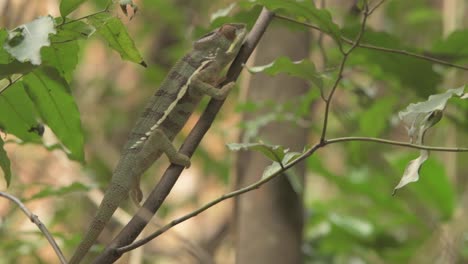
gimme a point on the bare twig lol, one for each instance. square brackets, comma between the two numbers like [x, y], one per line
[35, 219]
[395, 143]
[218, 200]
[382, 49]
[375, 7]
[258, 184]
[340, 71]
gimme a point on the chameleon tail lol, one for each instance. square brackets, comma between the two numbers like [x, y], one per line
[114, 195]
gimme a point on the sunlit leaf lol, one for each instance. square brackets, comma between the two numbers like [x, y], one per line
[116, 35]
[273, 152]
[25, 42]
[18, 115]
[63, 57]
[56, 106]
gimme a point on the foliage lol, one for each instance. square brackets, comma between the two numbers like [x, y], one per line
[361, 220]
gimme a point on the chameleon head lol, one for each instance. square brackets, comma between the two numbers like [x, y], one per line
[224, 41]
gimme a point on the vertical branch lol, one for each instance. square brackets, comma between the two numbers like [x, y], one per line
[340, 71]
[168, 180]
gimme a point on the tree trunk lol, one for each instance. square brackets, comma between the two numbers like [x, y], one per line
[269, 220]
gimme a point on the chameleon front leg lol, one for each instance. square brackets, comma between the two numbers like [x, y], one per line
[198, 86]
[155, 145]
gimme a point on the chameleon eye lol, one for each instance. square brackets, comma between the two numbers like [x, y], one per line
[228, 31]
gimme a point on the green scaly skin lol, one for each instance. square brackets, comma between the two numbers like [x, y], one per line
[164, 116]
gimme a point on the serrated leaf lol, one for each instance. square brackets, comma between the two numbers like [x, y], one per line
[301, 10]
[25, 42]
[5, 163]
[53, 191]
[68, 6]
[304, 69]
[18, 115]
[51, 96]
[273, 152]
[116, 35]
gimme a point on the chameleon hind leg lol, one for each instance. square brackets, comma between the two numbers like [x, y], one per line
[155, 145]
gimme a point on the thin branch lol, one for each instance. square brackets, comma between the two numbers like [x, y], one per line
[375, 7]
[382, 49]
[105, 10]
[407, 53]
[223, 197]
[340, 72]
[258, 184]
[35, 219]
[394, 143]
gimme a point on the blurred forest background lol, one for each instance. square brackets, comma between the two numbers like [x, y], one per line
[336, 207]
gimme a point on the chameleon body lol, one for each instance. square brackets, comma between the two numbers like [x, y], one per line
[164, 116]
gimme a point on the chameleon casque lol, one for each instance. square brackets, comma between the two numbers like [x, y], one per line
[195, 75]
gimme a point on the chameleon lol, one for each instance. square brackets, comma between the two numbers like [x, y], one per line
[167, 111]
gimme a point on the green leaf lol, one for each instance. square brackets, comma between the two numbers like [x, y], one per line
[434, 188]
[304, 69]
[5, 163]
[412, 73]
[273, 152]
[68, 6]
[15, 67]
[18, 115]
[456, 45]
[116, 35]
[4, 55]
[52, 191]
[63, 57]
[54, 102]
[72, 31]
[25, 42]
[301, 10]
[375, 120]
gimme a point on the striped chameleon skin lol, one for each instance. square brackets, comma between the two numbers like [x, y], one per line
[166, 113]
